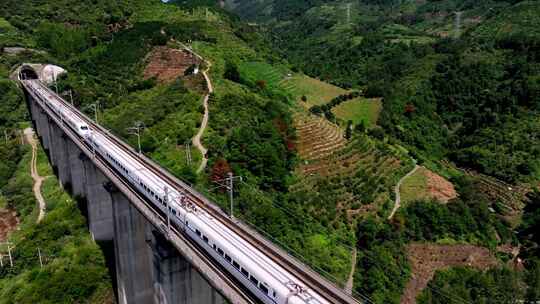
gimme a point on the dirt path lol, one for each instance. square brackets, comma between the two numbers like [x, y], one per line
[396, 191]
[350, 281]
[197, 139]
[38, 180]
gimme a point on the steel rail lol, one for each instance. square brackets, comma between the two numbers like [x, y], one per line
[310, 278]
[154, 215]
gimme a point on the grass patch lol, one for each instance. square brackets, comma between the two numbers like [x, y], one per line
[251, 72]
[414, 187]
[316, 91]
[43, 167]
[359, 109]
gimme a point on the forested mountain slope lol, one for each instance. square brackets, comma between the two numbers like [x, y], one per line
[460, 87]
[458, 83]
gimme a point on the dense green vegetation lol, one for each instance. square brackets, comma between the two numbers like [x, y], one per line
[471, 99]
[74, 268]
[459, 87]
[382, 268]
[464, 285]
[442, 97]
[504, 284]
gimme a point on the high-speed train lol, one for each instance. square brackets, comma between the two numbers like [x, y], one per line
[267, 280]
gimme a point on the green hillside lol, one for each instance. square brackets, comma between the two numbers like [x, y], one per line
[452, 84]
[459, 83]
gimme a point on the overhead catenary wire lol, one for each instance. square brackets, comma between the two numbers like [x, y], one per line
[367, 254]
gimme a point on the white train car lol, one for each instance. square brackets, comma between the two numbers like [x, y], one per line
[267, 280]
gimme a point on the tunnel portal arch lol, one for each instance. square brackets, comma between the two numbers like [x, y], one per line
[27, 72]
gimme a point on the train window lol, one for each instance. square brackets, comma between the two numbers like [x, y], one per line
[84, 128]
[263, 288]
[244, 272]
[235, 264]
[214, 246]
[198, 232]
[220, 251]
[274, 293]
[174, 212]
[205, 238]
[228, 258]
[253, 280]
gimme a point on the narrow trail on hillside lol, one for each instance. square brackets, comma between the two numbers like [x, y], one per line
[397, 203]
[38, 180]
[197, 138]
[350, 281]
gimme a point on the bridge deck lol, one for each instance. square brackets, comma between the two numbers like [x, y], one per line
[309, 277]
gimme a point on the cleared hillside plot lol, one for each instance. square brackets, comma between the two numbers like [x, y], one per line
[316, 91]
[425, 259]
[260, 74]
[359, 109]
[349, 178]
[166, 64]
[8, 222]
[424, 184]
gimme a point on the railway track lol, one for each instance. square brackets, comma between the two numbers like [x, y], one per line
[155, 215]
[309, 277]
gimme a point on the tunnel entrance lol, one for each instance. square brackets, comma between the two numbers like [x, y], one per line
[27, 73]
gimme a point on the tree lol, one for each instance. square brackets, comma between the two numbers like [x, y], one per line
[261, 84]
[348, 131]
[220, 169]
[360, 127]
[377, 133]
[231, 72]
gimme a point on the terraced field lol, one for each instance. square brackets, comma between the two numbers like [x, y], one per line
[360, 109]
[316, 91]
[508, 200]
[350, 178]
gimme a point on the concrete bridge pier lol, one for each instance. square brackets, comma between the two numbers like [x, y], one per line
[51, 133]
[99, 202]
[42, 126]
[132, 252]
[175, 280]
[60, 151]
[76, 169]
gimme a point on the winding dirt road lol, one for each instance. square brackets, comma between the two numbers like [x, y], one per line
[197, 139]
[397, 203]
[38, 180]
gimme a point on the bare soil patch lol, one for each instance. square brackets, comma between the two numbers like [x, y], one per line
[167, 64]
[439, 187]
[8, 223]
[425, 259]
[425, 184]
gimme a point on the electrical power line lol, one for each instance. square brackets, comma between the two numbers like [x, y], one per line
[367, 254]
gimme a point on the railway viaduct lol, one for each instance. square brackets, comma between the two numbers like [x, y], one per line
[151, 266]
[153, 262]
